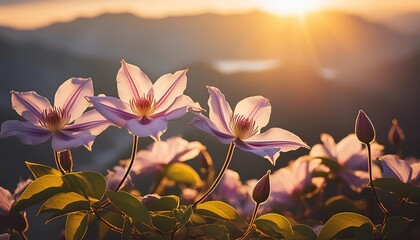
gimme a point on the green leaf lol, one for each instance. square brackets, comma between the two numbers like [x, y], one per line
[39, 190]
[39, 170]
[303, 232]
[127, 228]
[63, 203]
[274, 225]
[340, 222]
[395, 226]
[115, 218]
[89, 184]
[130, 206]
[364, 232]
[183, 173]
[76, 225]
[218, 210]
[183, 216]
[164, 222]
[395, 186]
[215, 231]
[338, 204]
[165, 203]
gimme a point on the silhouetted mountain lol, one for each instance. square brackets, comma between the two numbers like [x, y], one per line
[407, 23]
[328, 39]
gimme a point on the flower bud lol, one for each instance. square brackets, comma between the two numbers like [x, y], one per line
[66, 160]
[364, 129]
[262, 189]
[395, 134]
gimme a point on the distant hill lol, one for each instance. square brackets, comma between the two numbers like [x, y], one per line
[407, 23]
[328, 39]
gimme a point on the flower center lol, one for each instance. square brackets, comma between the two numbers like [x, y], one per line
[242, 127]
[54, 119]
[144, 106]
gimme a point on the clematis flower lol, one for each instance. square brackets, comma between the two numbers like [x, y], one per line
[143, 108]
[12, 221]
[288, 184]
[66, 123]
[405, 171]
[114, 177]
[351, 156]
[243, 126]
[159, 154]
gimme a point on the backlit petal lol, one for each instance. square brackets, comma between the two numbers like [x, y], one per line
[154, 128]
[256, 109]
[347, 147]
[357, 180]
[178, 108]
[204, 123]
[113, 109]
[91, 121]
[329, 145]
[70, 96]
[220, 112]
[30, 105]
[270, 153]
[168, 87]
[66, 140]
[396, 168]
[131, 82]
[6, 200]
[26, 132]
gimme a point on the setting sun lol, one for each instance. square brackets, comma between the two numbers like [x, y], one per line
[295, 7]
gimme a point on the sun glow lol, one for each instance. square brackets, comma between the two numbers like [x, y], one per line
[290, 7]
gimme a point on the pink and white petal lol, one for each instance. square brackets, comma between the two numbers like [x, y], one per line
[113, 109]
[347, 147]
[395, 168]
[5, 236]
[168, 87]
[329, 145]
[70, 96]
[91, 121]
[26, 132]
[270, 153]
[276, 138]
[255, 108]
[20, 188]
[132, 83]
[6, 201]
[66, 140]
[153, 128]
[220, 112]
[30, 105]
[415, 174]
[177, 109]
[204, 123]
[318, 150]
[356, 180]
[191, 151]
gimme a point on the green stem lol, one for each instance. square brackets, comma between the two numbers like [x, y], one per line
[219, 177]
[251, 222]
[378, 201]
[57, 162]
[132, 159]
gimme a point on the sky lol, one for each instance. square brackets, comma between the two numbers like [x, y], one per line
[29, 14]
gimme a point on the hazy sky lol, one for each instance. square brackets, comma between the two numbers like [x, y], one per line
[37, 13]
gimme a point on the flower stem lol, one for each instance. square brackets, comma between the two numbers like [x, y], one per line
[378, 201]
[219, 177]
[251, 222]
[133, 157]
[57, 162]
[23, 236]
[161, 186]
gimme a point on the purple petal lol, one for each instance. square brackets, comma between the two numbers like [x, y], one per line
[178, 108]
[70, 96]
[6, 200]
[357, 180]
[113, 109]
[347, 147]
[91, 121]
[168, 87]
[30, 105]
[329, 145]
[153, 128]
[415, 174]
[270, 153]
[5, 236]
[132, 83]
[26, 132]
[255, 108]
[220, 112]
[114, 177]
[203, 123]
[396, 168]
[66, 140]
